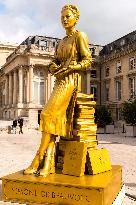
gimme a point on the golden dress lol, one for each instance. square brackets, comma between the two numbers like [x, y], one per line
[71, 50]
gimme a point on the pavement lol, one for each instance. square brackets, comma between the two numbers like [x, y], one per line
[5, 124]
[18, 150]
[122, 151]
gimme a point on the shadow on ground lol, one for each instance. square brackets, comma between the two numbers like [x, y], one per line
[109, 143]
[130, 184]
[116, 139]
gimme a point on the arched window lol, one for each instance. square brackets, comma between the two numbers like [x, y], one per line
[38, 87]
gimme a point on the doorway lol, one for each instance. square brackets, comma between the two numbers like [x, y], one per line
[39, 112]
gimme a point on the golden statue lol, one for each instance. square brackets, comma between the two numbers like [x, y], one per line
[72, 55]
[67, 111]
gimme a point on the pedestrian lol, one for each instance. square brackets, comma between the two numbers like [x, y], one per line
[20, 122]
[14, 126]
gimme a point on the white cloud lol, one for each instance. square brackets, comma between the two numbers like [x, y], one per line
[103, 20]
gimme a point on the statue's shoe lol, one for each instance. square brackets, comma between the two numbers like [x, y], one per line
[30, 170]
[44, 172]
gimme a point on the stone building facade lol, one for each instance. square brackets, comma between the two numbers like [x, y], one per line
[25, 82]
[5, 50]
[118, 73]
[26, 85]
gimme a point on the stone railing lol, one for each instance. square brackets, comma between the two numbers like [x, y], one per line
[19, 50]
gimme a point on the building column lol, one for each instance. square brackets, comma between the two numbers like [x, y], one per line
[31, 67]
[88, 73]
[6, 90]
[20, 94]
[46, 87]
[2, 94]
[27, 97]
[15, 88]
[10, 88]
[49, 85]
[52, 82]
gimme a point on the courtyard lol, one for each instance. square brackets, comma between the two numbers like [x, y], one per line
[18, 150]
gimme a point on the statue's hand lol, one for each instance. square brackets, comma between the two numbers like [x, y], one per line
[60, 72]
[76, 67]
[53, 68]
[63, 71]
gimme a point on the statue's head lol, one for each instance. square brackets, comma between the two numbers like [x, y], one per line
[69, 16]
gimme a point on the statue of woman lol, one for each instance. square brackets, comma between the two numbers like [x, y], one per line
[72, 55]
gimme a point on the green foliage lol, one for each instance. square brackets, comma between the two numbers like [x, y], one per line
[129, 111]
[103, 116]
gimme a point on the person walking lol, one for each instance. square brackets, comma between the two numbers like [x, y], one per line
[20, 122]
[14, 126]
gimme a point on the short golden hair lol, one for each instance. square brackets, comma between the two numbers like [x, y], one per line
[73, 8]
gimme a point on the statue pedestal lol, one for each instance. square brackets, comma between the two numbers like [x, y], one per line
[100, 189]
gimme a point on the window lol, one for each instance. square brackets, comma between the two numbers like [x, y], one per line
[6, 115]
[93, 74]
[134, 37]
[54, 44]
[43, 43]
[94, 91]
[118, 90]
[132, 63]
[38, 88]
[111, 48]
[122, 42]
[119, 114]
[107, 85]
[41, 88]
[107, 71]
[132, 87]
[0, 96]
[118, 67]
[93, 51]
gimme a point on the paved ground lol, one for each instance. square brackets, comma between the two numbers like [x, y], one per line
[17, 151]
[5, 124]
[122, 151]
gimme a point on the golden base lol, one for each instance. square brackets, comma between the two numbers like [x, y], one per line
[100, 189]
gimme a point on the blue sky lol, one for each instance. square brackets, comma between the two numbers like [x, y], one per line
[2, 8]
[102, 20]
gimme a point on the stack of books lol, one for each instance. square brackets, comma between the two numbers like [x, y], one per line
[84, 127]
